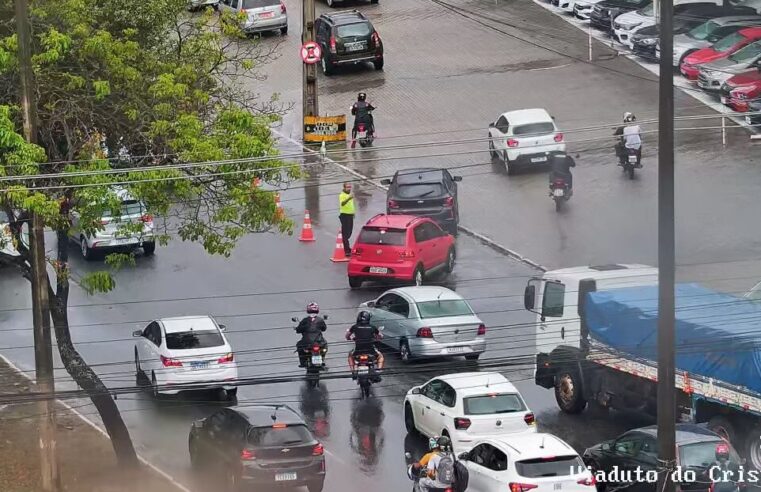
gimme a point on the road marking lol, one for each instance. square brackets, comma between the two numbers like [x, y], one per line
[467, 230]
[95, 426]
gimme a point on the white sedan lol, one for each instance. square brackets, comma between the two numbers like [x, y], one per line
[535, 462]
[524, 138]
[186, 353]
[467, 407]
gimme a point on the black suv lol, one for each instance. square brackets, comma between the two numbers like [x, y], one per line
[604, 12]
[347, 37]
[425, 192]
[258, 446]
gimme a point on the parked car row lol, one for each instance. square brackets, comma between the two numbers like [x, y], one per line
[717, 47]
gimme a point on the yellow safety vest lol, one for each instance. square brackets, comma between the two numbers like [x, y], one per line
[347, 208]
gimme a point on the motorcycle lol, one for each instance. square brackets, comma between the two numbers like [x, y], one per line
[365, 134]
[415, 473]
[364, 364]
[630, 162]
[314, 355]
[560, 192]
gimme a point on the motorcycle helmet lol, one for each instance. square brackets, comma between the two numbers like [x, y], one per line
[444, 442]
[363, 318]
[722, 452]
[361, 96]
[433, 443]
[313, 309]
[629, 117]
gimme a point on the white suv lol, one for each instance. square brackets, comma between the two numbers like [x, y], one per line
[535, 462]
[525, 137]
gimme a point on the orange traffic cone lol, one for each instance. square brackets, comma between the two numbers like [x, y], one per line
[307, 234]
[279, 213]
[338, 253]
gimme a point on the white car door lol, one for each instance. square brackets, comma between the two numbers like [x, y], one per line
[153, 347]
[440, 411]
[422, 407]
[478, 457]
[498, 133]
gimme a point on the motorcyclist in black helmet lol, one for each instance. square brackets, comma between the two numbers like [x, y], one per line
[364, 336]
[311, 329]
[362, 111]
[560, 167]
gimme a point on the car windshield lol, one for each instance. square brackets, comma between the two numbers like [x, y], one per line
[257, 4]
[534, 129]
[439, 309]
[277, 436]
[552, 466]
[360, 29]
[648, 11]
[727, 42]
[702, 454]
[420, 190]
[382, 235]
[185, 340]
[129, 207]
[704, 30]
[494, 403]
[747, 54]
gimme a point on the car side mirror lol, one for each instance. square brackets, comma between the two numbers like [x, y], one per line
[491, 125]
[295, 319]
[463, 456]
[457, 178]
[408, 455]
[529, 297]
[415, 391]
[606, 446]
[197, 424]
[324, 316]
[386, 182]
[370, 304]
[137, 333]
[222, 327]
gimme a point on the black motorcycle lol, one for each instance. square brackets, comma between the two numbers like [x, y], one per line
[314, 357]
[630, 162]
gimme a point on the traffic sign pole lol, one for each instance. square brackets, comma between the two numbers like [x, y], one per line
[309, 82]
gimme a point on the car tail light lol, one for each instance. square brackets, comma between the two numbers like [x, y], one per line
[449, 201]
[227, 358]
[376, 39]
[424, 332]
[529, 418]
[363, 358]
[316, 349]
[558, 137]
[589, 481]
[407, 253]
[393, 204]
[168, 362]
[521, 487]
[104, 221]
[282, 8]
[247, 455]
[332, 44]
[461, 423]
[512, 143]
[318, 450]
[356, 251]
[147, 218]
[481, 330]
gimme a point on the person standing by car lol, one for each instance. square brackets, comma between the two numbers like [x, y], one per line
[346, 216]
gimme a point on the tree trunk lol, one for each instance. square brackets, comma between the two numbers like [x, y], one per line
[79, 370]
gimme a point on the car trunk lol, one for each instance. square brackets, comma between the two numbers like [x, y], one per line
[381, 244]
[493, 413]
[535, 134]
[453, 329]
[281, 447]
[131, 212]
[553, 473]
[257, 10]
[197, 350]
[354, 39]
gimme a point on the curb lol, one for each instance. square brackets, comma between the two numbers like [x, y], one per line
[95, 426]
[486, 241]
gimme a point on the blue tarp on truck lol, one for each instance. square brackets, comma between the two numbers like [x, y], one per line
[717, 335]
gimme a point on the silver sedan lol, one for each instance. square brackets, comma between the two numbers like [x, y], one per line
[428, 321]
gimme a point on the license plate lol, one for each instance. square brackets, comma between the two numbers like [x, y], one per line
[633, 159]
[362, 134]
[284, 477]
[378, 270]
[558, 486]
[724, 100]
[266, 14]
[317, 360]
[355, 46]
[538, 159]
[363, 369]
[199, 365]
[456, 350]
[557, 192]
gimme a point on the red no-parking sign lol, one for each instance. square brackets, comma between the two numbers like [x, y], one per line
[311, 52]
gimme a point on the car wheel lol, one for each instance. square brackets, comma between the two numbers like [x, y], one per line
[326, 68]
[723, 427]
[509, 168]
[155, 386]
[569, 393]
[231, 394]
[284, 30]
[331, 3]
[355, 282]
[138, 369]
[149, 248]
[87, 251]
[409, 419]
[492, 150]
[752, 447]
[315, 486]
[404, 351]
[473, 356]
[378, 64]
[451, 256]
[418, 276]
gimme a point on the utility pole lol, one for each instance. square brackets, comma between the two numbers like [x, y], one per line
[666, 254]
[43, 351]
[309, 83]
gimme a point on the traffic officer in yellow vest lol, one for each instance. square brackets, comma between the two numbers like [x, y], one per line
[346, 216]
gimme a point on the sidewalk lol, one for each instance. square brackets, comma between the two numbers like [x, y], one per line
[87, 462]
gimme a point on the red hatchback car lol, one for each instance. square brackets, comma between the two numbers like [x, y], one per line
[400, 247]
[739, 90]
[721, 49]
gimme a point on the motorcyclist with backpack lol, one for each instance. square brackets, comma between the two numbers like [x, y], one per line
[364, 336]
[311, 329]
[629, 137]
[439, 464]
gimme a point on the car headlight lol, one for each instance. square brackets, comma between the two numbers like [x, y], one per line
[649, 41]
